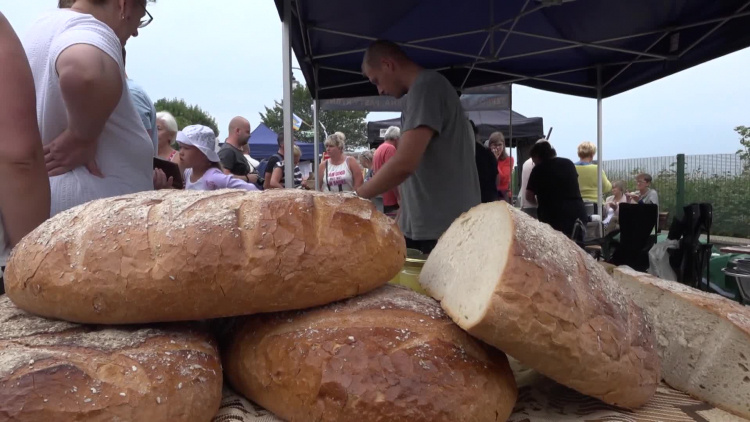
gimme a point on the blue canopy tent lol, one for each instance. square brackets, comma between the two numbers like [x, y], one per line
[589, 48]
[263, 144]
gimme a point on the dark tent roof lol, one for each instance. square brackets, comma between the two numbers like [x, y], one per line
[263, 144]
[526, 130]
[555, 45]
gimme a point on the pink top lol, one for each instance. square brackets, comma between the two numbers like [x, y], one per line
[214, 179]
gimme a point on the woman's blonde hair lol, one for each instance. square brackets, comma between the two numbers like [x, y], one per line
[297, 152]
[620, 184]
[168, 119]
[586, 150]
[337, 140]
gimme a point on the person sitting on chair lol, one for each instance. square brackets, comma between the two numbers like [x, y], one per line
[612, 206]
[645, 194]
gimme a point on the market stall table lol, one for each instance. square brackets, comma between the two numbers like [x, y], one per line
[543, 400]
[745, 250]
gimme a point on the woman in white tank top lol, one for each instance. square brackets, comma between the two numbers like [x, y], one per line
[339, 173]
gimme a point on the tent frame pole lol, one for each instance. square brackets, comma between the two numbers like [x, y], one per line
[286, 48]
[510, 137]
[600, 164]
[316, 147]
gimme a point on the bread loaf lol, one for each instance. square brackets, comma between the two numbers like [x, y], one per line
[58, 371]
[390, 355]
[703, 339]
[525, 288]
[188, 255]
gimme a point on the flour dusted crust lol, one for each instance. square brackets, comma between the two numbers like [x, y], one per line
[703, 339]
[389, 355]
[525, 288]
[59, 371]
[186, 255]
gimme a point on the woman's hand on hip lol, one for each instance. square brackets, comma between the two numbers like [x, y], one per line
[67, 152]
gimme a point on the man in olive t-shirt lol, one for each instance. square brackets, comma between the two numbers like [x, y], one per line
[434, 162]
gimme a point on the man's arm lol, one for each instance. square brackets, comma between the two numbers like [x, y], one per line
[409, 154]
[275, 182]
[530, 197]
[226, 157]
[24, 191]
[91, 85]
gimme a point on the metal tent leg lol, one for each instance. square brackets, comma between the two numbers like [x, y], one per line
[287, 105]
[316, 147]
[600, 164]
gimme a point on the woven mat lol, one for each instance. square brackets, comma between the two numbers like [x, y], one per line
[542, 400]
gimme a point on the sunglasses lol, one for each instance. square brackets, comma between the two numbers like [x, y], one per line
[147, 19]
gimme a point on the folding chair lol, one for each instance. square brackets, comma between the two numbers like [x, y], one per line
[637, 235]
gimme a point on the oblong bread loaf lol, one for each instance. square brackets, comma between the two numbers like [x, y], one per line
[389, 355]
[528, 290]
[59, 371]
[703, 339]
[189, 255]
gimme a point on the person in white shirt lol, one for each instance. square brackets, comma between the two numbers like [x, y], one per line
[24, 190]
[339, 173]
[528, 165]
[94, 142]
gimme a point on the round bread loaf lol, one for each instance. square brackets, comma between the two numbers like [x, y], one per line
[58, 371]
[189, 255]
[389, 355]
[528, 290]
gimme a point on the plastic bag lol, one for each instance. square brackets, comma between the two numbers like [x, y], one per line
[658, 260]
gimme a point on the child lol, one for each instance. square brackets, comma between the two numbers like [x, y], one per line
[277, 175]
[202, 168]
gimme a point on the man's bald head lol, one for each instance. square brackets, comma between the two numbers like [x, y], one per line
[239, 131]
[381, 50]
[388, 68]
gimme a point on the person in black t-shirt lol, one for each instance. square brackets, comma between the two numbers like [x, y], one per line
[232, 155]
[553, 184]
[486, 169]
[273, 162]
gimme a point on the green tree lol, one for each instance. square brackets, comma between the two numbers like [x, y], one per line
[744, 152]
[187, 115]
[351, 123]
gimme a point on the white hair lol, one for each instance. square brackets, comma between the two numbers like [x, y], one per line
[168, 120]
[392, 133]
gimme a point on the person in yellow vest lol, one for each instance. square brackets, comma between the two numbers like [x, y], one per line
[587, 175]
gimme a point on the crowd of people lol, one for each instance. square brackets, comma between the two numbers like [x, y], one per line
[557, 191]
[79, 129]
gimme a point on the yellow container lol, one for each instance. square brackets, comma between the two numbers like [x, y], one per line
[409, 275]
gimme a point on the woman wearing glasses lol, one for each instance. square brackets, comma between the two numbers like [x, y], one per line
[94, 142]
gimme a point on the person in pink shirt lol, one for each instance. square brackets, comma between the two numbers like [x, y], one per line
[202, 167]
[385, 152]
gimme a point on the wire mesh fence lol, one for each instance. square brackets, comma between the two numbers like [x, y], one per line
[720, 179]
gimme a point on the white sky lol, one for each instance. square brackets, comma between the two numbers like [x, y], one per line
[225, 56]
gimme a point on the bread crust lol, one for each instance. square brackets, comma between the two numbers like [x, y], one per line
[59, 371]
[188, 255]
[389, 355]
[703, 339]
[557, 311]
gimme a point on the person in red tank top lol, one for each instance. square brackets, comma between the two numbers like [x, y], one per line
[384, 153]
[505, 165]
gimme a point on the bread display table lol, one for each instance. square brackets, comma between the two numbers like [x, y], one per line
[542, 400]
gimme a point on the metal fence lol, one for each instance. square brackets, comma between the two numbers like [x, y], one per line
[720, 179]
